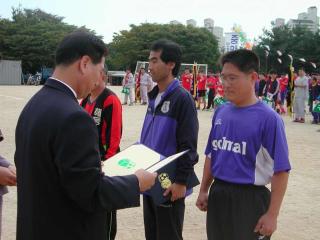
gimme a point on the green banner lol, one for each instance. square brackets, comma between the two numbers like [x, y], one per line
[316, 107]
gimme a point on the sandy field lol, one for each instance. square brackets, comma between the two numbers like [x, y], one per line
[300, 214]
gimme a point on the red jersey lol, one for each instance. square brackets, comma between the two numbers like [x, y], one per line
[106, 112]
[283, 83]
[220, 90]
[212, 82]
[187, 81]
[201, 82]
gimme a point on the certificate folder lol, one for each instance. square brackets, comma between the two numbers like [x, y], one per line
[139, 156]
[166, 177]
[131, 159]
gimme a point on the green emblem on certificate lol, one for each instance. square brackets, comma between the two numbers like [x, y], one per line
[126, 163]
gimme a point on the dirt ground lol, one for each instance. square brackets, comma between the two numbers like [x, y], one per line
[300, 214]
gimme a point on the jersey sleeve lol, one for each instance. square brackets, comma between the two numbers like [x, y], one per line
[275, 142]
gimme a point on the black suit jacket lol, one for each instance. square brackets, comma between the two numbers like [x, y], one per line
[62, 193]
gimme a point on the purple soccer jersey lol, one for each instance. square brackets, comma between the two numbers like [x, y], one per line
[247, 145]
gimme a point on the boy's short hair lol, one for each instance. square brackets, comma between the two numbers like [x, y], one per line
[245, 60]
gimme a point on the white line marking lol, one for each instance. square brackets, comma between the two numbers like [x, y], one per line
[7, 96]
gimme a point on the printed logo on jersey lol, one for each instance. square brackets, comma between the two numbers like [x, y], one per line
[165, 107]
[230, 146]
[97, 116]
[218, 122]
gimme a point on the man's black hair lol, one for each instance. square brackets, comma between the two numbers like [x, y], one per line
[78, 44]
[245, 60]
[170, 52]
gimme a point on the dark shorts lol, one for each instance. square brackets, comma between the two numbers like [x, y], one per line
[234, 210]
[201, 93]
[163, 222]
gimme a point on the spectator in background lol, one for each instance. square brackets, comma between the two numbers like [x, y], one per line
[145, 85]
[129, 83]
[211, 84]
[283, 91]
[186, 80]
[201, 84]
[262, 85]
[273, 88]
[7, 178]
[300, 96]
[315, 98]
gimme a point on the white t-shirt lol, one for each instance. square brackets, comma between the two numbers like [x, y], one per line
[158, 99]
[300, 92]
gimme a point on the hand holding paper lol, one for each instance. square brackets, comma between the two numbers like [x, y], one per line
[146, 179]
[177, 191]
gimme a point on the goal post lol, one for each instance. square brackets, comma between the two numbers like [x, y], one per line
[190, 66]
[194, 68]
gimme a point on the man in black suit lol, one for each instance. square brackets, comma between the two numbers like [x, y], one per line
[62, 193]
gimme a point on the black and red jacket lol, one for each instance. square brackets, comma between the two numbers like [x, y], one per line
[106, 112]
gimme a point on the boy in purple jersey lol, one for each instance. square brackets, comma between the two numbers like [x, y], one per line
[246, 150]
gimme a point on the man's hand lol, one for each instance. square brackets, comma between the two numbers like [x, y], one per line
[177, 191]
[202, 201]
[266, 225]
[146, 179]
[7, 177]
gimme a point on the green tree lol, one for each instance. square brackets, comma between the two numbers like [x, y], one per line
[128, 47]
[32, 36]
[298, 42]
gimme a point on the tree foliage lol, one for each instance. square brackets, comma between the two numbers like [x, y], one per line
[128, 47]
[32, 36]
[298, 42]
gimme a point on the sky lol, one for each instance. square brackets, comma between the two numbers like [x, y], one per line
[107, 17]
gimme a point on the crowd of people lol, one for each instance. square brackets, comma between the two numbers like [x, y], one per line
[272, 88]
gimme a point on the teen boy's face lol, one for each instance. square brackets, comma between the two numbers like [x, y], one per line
[238, 86]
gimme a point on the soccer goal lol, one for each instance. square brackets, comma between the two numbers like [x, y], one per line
[193, 67]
